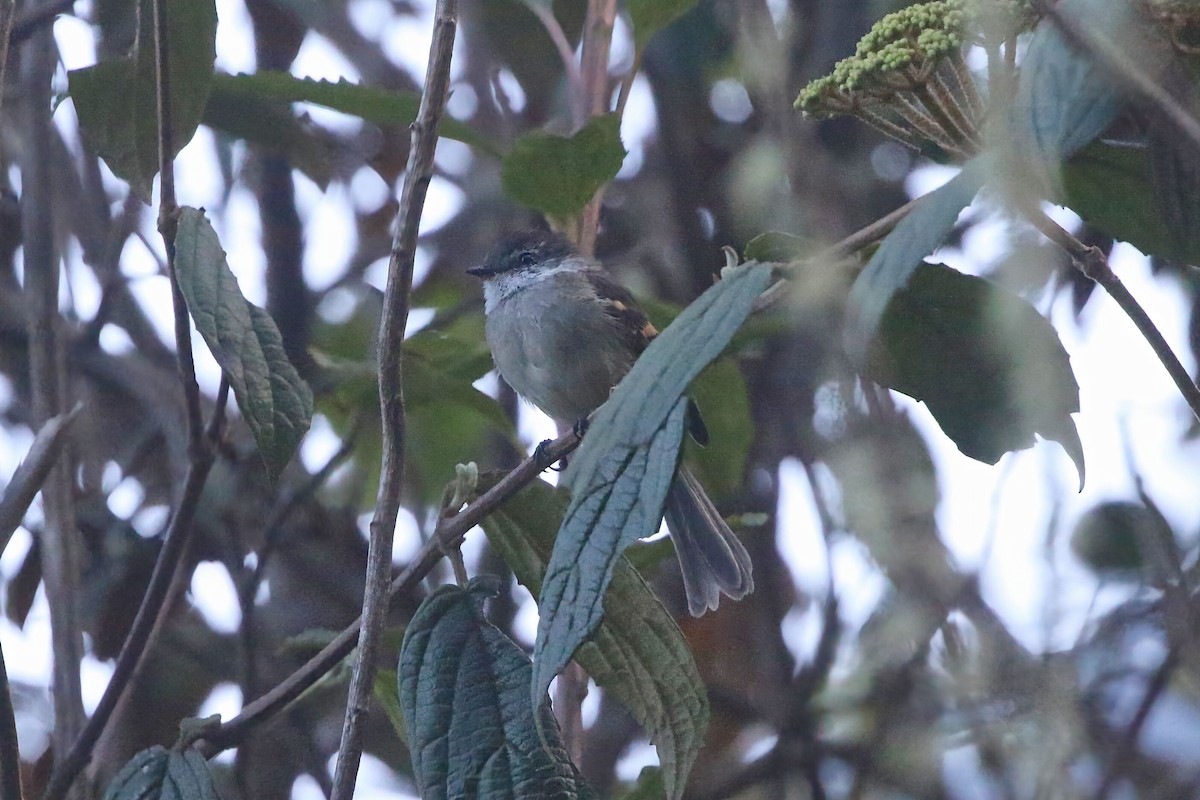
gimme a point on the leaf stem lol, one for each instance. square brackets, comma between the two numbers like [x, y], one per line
[1091, 262]
[545, 14]
[391, 394]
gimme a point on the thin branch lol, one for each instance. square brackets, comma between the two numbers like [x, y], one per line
[1092, 262]
[863, 237]
[32, 20]
[273, 533]
[449, 531]
[391, 395]
[1123, 68]
[545, 15]
[10, 756]
[1129, 738]
[62, 548]
[597, 41]
[137, 642]
[627, 84]
[32, 472]
[7, 13]
[143, 631]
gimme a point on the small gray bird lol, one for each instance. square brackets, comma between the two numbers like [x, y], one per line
[563, 334]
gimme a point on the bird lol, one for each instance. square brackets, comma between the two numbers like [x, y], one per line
[563, 333]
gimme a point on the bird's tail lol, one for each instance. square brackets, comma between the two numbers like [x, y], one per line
[712, 559]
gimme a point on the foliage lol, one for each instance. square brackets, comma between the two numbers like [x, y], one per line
[875, 371]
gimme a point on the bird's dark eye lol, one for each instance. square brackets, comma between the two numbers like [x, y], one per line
[526, 259]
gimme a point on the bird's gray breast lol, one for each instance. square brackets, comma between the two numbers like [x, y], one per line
[557, 348]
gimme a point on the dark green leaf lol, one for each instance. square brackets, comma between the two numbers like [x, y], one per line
[387, 695]
[774, 246]
[619, 476]
[649, 786]
[990, 368]
[1109, 538]
[1110, 187]
[902, 251]
[142, 776]
[275, 401]
[161, 774]
[651, 16]
[1064, 98]
[643, 659]
[558, 175]
[380, 106]
[117, 100]
[720, 394]
[273, 127]
[464, 690]
[188, 778]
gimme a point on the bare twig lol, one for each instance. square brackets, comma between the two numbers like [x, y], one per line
[449, 531]
[545, 14]
[147, 623]
[1129, 738]
[273, 533]
[31, 474]
[62, 549]
[1125, 69]
[7, 14]
[597, 41]
[391, 394]
[1092, 263]
[10, 756]
[32, 20]
[137, 642]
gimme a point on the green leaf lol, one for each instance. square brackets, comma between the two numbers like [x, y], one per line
[373, 104]
[273, 127]
[774, 246]
[1064, 98]
[142, 776]
[559, 175]
[619, 476]
[387, 695]
[1110, 187]
[275, 401]
[464, 690]
[161, 774]
[651, 16]
[649, 786]
[117, 100]
[989, 367]
[642, 660]
[188, 778]
[720, 394]
[1109, 538]
[902, 251]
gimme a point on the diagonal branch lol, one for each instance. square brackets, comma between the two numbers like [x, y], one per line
[32, 472]
[449, 531]
[391, 394]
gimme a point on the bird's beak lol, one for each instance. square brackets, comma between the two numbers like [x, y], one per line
[481, 272]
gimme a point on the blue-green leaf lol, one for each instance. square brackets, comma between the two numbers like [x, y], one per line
[464, 691]
[642, 660]
[619, 476]
[160, 774]
[275, 401]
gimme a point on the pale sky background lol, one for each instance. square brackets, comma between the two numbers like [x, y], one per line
[1121, 383]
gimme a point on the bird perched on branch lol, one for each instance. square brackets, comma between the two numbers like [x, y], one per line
[563, 333]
